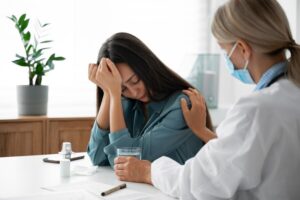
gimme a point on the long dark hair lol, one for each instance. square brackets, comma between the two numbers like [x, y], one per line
[160, 81]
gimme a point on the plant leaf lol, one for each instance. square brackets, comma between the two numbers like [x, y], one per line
[50, 59]
[21, 19]
[40, 60]
[22, 62]
[35, 42]
[59, 58]
[51, 65]
[24, 25]
[39, 69]
[26, 37]
[34, 58]
[28, 49]
[18, 56]
[13, 18]
[47, 41]
[47, 24]
[45, 48]
[37, 54]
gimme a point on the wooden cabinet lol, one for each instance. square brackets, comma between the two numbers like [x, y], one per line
[43, 135]
[21, 138]
[75, 131]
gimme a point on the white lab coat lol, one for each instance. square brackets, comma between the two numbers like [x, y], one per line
[256, 154]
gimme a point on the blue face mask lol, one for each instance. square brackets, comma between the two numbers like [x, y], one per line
[241, 74]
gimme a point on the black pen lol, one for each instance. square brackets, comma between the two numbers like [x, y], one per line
[49, 160]
[114, 189]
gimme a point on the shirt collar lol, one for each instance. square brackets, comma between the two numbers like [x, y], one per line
[154, 106]
[270, 74]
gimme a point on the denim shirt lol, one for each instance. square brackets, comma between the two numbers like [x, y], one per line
[164, 133]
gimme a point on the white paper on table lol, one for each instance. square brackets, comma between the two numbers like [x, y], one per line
[83, 170]
[96, 188]
[67, 195]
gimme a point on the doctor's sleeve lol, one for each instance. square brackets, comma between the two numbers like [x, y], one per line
[158, 139]
[98, 140]
[232, 161]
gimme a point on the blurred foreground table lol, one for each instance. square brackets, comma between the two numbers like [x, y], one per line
[27, 175]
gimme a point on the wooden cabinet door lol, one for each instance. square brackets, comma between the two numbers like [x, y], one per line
[21, 138]
[71, 130]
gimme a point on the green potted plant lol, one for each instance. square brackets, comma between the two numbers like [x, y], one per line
[33, 98]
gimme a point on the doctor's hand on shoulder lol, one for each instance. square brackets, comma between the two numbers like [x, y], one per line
[106, 76]
[195, 116]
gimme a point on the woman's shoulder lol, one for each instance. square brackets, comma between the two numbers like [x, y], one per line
[267, 110]
[277, 93]
[278, 98]
[173, 101]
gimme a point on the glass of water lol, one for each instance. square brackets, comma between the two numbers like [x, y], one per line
[130, 151]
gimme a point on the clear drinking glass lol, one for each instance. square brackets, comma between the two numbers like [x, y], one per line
[130, 151]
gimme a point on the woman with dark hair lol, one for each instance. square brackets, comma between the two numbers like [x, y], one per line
[140, 104]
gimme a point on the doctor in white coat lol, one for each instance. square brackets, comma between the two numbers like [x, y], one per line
[255, 153]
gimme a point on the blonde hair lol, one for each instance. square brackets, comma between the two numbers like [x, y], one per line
[261, 23]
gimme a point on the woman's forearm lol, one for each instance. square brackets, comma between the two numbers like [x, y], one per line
[116, 115]
[103, 114]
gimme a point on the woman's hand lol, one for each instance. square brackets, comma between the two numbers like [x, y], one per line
[196, 116]
[106, 76]
[133, 170]
[92, 74]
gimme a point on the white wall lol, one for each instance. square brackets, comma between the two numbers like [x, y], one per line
[298, 22]
[171, 28]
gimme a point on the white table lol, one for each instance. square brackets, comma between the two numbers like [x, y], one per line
[27, 174]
